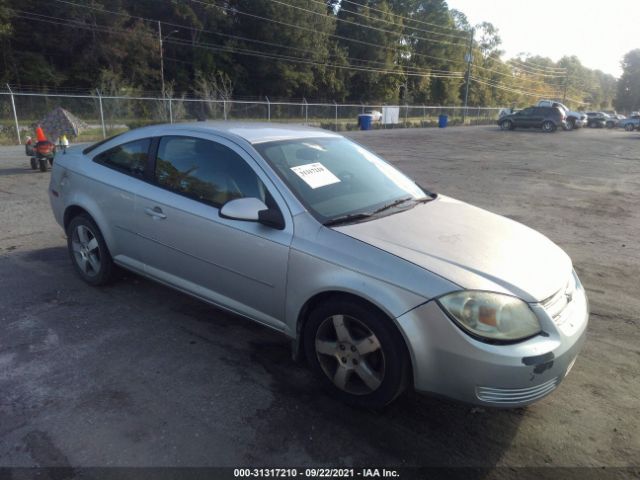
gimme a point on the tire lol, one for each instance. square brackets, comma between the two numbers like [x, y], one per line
[357, 352]
[571, 124]
[88, 251]
[548, 126]
[34, 163]
[629, 127]
[506, 125]
[42, 163]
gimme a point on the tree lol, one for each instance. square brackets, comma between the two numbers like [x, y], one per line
[377, 74]
[628, 95]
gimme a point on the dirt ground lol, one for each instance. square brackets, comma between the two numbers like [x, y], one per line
[136, 374]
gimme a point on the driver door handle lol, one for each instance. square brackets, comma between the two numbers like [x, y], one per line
[155, 212]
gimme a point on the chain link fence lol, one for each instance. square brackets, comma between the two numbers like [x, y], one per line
[104, 116]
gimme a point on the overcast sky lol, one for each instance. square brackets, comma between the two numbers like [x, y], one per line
[599, 33]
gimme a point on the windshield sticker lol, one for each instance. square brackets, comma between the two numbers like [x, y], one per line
[315, 175]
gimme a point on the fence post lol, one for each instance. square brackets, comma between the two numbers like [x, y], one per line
[336, 115]
[104, 130]
[406, 113]
[268, 109]
[224, 109]
[15, 115]
[170, 111]
[306, 111]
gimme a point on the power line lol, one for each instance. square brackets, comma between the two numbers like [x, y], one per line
[202, 30]
[511, 75]
[510, 88]
[402, 17]
[384, 20]
[239, 51]
[308, 29]
[371, 27]
[524, 65]
[409, 69]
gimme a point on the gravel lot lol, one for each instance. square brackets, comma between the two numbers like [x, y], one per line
[136, 374]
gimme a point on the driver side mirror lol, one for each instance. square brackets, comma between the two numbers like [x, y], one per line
[251, 209]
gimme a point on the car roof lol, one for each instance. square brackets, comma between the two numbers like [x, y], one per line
[252, 132]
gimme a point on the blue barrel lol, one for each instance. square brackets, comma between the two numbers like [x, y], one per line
[442, 121]
[364, 121]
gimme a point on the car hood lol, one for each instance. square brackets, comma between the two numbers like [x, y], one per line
[470, 247]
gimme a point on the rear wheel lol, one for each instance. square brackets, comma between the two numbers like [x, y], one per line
[506, 125]
[42, 163]
[358, 352]
[88, 251]
[548, 126]
[34, 163]
[629, 127]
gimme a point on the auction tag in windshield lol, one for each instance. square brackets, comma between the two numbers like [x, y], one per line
[315, 175]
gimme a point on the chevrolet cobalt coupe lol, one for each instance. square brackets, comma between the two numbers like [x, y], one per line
[380, 283]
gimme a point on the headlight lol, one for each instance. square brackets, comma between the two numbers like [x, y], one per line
[491, 316]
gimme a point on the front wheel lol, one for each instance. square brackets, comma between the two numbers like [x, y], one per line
[506, 125]
[34, 163]
[571, 124]
[88, 251]
[548, 126]
[42, 163]
[358, 352]
[629, 127]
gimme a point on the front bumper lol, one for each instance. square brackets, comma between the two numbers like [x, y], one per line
[446, 361]
[580, 122]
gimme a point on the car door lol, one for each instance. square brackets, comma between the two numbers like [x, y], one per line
[523, 118]
[240, 265]
[538, 115]
[121, 171]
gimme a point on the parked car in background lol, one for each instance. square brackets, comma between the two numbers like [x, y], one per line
[597, 119]
[630, 124]
[380, 284]
[549, 119]
[574, 119]
[614, 119]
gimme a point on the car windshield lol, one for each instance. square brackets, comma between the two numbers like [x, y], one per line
[337, 179]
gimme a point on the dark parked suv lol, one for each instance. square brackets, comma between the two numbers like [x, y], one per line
[546, 118]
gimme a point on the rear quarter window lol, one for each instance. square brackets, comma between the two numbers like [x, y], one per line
[129, 158]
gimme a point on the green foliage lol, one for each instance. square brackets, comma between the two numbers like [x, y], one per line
[628, 98]
[392, 51]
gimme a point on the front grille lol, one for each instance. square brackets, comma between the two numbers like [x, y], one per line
[556, 305]
[516, 395]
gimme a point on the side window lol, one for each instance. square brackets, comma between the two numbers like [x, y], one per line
[130, 158]
[205, 170]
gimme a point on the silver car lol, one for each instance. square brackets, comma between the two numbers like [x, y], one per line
[380, 283]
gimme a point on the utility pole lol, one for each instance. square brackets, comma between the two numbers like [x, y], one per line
[160, 40]
[15, 114]
[469, 59]
[161, 56]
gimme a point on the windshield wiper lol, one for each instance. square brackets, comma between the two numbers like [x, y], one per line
[392, 204]
[354, 217]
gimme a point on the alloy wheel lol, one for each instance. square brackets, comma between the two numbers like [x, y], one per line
[350, 354]
[86, 250]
